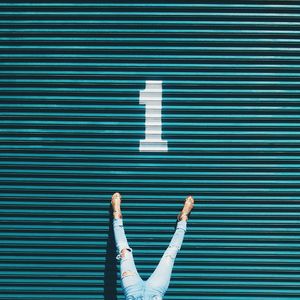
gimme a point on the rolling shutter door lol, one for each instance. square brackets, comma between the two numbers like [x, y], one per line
[71, 123]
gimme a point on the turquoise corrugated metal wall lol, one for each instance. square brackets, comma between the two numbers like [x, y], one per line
[71, 122]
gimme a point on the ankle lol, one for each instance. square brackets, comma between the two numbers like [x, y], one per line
[117, 214]
[182, 216]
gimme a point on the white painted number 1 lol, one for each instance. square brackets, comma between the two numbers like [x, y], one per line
[151, 96]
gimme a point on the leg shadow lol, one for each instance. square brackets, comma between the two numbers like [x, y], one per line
[110, 270]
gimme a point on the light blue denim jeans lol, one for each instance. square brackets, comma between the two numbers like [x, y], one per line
[134, 287]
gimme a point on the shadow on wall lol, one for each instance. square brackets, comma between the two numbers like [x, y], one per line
[110, 270]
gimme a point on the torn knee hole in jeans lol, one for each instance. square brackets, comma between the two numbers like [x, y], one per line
[169, 256]
[123, 252]
[172, 253]
[128, 273]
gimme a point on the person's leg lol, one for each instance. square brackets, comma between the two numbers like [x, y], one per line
[130, 279]
[160, 279]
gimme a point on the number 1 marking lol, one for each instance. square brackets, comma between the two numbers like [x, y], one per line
[151, 96]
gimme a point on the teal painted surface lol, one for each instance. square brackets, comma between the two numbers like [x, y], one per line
[71, 122]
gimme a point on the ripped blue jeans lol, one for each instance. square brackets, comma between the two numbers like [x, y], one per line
[134, 287]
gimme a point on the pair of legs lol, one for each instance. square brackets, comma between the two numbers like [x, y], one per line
[156, 286]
